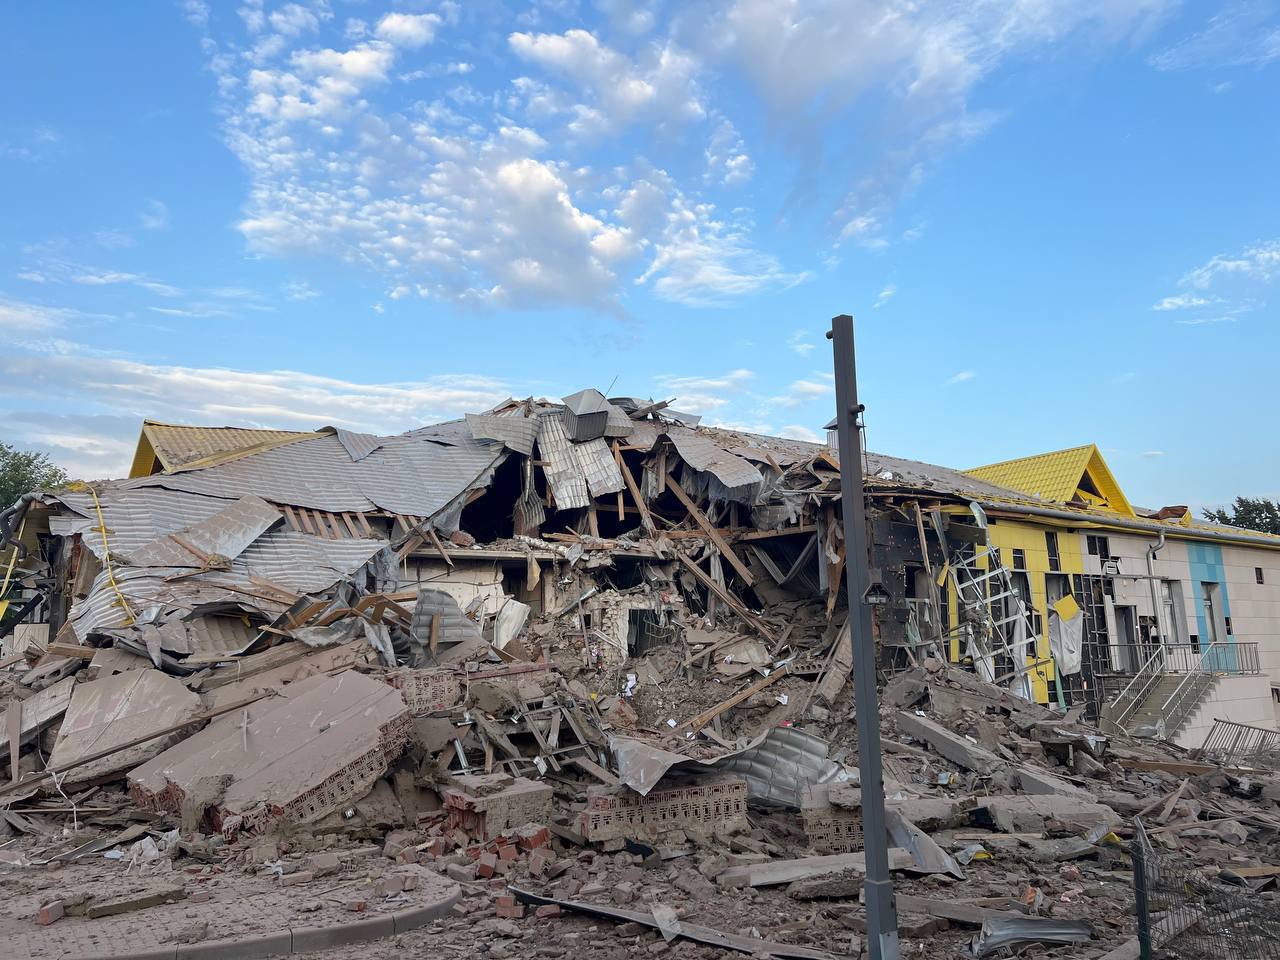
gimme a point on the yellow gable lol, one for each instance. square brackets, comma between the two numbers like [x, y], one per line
[1077, 475]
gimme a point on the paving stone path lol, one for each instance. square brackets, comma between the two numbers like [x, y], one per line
[224, 916]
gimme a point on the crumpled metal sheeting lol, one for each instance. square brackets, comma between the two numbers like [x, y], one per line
[358, 445]
[776, 765]
[318, 474]
[739, 478]
[137, 516]
[152, 599]
[618, 424]
[405, 474]
[421, 478]
[200, 636]
[999, 933]
[596, 462]
[515, 433]
[302, 563]
[226, 534]
[563, 472]
[777, 769]
[455, 626]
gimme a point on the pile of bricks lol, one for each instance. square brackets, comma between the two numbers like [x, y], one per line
[714, 805]
[830, 829]
[489, 805]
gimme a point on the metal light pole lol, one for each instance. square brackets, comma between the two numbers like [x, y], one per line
[882, 917]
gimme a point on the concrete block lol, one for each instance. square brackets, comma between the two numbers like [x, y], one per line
[50, 913]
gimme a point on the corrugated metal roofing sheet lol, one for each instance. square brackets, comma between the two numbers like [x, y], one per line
[598, 467]
[563, 472]
[517, 433]
[225, 534]
[177, 445]
[1053, 476]
[701, 453]
[406, 475]
[358, 445]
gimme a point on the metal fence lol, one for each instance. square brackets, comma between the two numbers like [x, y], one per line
[1184, 914]
[1238, 743]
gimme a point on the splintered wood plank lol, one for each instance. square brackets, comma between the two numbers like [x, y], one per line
[703, 719]
[351, 525]
[709, 529]
[646, 519]
[729, 599]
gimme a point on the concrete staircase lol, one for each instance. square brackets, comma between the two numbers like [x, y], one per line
[1151, 719]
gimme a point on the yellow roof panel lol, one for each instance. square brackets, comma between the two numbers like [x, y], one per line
[1053, 476]
[1074, 475]
[172, 446]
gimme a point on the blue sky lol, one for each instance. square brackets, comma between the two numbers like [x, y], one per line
[1055, 222]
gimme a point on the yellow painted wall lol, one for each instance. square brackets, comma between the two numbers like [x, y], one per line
[1011, 534]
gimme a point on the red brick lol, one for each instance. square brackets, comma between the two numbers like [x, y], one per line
[539, 860]
[547, 910]
[50, 913]
[514, 911]
[506, 852]
[356, 906]
[486, 865]
[533, 836]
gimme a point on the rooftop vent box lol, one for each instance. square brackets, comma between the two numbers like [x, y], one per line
[586, 415]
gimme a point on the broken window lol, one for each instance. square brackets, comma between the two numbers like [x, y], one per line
[1051, 545]
[1019, 559]
[1098, 547]
[1257, 574]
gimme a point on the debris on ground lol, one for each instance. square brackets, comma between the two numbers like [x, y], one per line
[586, 661]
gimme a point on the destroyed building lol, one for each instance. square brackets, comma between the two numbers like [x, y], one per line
[598, 624]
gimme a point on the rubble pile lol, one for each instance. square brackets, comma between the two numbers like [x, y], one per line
[586, 666]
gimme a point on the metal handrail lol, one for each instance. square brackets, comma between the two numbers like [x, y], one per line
[1146, 686]
[1181, 693]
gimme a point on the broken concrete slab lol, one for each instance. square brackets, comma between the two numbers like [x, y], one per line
[313, 751]
[804, 868]
[117, 710]
[1027, 814]
[956, 748]
[1037, 780]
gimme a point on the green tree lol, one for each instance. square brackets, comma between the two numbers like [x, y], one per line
[1252, 513]
[22, 471]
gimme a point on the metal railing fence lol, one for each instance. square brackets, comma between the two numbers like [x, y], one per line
[1185, 914]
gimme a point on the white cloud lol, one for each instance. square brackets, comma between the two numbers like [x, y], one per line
[1261, 262]
[1201, 321]
[803, 391]
[798, 431]
[800, 342]
[408, 30]
[1153, 453]
[699, 394]
[660, 84]
[960, 377]
[1183, 301]
[17, 316]
[728, 163]
[285, 399]
[1239, 34]
[702, 260]
[155, 216]
[299, 290]
[910, 68]
[293, 20]
[886, 294]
